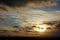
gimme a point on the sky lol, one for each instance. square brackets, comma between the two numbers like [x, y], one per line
[28, 12]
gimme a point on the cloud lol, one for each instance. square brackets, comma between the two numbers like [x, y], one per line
[41, 3]
[20, 13]
[25, 3]
[30, 17]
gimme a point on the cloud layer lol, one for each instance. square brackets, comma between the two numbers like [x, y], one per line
[18, 12]
[29, 17]
[25, 3]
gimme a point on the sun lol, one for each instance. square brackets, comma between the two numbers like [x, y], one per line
[40, 28]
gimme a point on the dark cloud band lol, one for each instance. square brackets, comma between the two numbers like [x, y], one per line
[25, 3]
[13, 3]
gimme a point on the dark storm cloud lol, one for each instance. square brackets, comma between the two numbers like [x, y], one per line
[13, 3]
[25, 3]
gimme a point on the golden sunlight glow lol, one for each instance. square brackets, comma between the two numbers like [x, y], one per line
[44, 28]
[40, 28]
